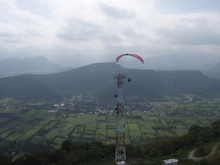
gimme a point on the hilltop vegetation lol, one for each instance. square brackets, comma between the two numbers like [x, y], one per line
[98, 80]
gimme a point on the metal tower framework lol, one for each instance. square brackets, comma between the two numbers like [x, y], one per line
[120, 152]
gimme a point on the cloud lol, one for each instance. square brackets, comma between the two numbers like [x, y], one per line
[6, 34]
[10, 40]
[186, 6]
[79, 30]
[190, 36]
[194, 29]
[99, 30]
[115, 12]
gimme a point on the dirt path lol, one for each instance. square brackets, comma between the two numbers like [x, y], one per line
[205, 157]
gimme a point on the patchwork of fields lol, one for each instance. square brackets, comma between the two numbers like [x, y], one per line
[19, 127]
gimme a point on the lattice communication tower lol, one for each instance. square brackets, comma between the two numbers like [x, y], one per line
[120, 152]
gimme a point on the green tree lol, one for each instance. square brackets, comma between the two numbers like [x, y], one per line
[200, 152]
[194, 129]
[31, 160]
[5, 160]
[66, 145]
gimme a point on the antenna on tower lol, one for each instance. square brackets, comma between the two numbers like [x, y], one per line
[120, 152]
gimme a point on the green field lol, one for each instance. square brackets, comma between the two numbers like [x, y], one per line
[40, 126]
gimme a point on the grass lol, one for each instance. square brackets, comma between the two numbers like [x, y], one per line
[40, 114]
[91, 126]
[31, 133]
[101, 132]
[31, 113]
[89, 137]
[78, 131]
[141, 126]
[20, 154]
[10, 110]
[111, 133]
[59, 141]
[14, 136]
[36, 139]
[164, 133]
[41, 103]
[3, 119]
[5, 134]
[52, 133]
[51, 124]
[65, 129]
[6, 101]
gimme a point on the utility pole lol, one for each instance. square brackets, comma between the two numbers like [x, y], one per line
[120, 152]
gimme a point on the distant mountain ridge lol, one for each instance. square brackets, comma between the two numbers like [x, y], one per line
[174, 62]
[213, 71]
[98, 80]
[36, 65]
[208, 65]
[216, 68]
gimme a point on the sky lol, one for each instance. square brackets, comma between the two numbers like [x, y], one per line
[74, 33]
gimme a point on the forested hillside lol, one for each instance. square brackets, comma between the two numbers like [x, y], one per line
[98, 80]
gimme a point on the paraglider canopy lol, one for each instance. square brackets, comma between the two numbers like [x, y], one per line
[127, 54]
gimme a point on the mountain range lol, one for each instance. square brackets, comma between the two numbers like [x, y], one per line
[98, 79]
[208, 65]
[35, 65]
[175, 62]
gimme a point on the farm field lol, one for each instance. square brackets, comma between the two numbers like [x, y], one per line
[45, 128]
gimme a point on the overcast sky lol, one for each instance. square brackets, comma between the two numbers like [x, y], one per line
[78, 32]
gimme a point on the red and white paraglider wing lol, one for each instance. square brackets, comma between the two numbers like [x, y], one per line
[133, 55]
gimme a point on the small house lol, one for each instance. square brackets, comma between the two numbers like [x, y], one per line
[170, 162]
